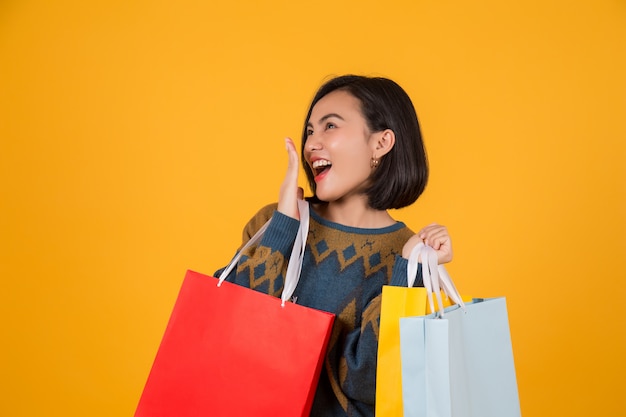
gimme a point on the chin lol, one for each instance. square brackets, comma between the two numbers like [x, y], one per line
[328, 198]
[322, 198]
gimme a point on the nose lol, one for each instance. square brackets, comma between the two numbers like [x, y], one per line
[313, 143]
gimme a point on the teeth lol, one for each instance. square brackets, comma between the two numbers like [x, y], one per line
[321, 163]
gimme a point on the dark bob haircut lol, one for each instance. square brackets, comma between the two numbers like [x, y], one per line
[402, 173]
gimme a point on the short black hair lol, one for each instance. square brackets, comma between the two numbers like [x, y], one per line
[402, 173]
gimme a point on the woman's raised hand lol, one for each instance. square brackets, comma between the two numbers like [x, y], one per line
[435, 236]
[289, 190]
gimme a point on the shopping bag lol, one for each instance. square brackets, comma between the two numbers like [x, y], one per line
[400, 302]
[232, 351]
[461, 364]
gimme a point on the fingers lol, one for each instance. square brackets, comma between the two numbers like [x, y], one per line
[293, 161]
[434, 235]
[437, 237]
[289, 193]
[409, 245]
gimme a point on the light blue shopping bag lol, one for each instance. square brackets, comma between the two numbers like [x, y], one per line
[461, 364]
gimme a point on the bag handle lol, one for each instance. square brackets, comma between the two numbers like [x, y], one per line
[434, 276]
[294, 267]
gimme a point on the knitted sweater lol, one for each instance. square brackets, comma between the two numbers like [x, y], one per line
[343, 272]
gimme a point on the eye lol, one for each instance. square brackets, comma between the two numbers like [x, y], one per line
[309, 132]
[330, 126]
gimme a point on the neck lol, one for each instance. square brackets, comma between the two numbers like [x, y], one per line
[354, 213]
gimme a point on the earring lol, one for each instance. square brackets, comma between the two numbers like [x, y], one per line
[374, 162]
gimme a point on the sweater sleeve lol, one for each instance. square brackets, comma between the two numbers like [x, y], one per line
[399, 277]
[262, 267]
[361, 347]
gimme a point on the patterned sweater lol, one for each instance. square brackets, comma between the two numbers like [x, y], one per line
[343, 272]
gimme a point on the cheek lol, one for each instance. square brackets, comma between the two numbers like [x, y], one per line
[355, 165]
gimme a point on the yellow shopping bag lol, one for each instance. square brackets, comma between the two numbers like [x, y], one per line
[396, 302]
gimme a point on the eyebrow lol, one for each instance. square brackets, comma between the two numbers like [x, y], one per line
[326, 117]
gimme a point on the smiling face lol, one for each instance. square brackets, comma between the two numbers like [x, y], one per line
[339, 147]
[394, 136]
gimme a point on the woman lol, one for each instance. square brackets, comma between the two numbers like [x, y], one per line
[363, 154]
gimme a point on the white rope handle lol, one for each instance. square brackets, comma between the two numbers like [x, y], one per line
[253, 240]
[294, 267]
[435, 277]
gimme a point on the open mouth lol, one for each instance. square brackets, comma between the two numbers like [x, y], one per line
[320, 166]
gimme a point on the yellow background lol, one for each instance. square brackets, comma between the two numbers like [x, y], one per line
[137, 138]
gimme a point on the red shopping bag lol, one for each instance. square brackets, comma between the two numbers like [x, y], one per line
[232, 351]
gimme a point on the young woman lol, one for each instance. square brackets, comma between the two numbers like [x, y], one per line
[363, 154]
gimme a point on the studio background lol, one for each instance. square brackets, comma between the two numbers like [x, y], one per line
[138, 137]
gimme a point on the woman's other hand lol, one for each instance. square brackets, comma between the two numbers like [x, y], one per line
[435, 236]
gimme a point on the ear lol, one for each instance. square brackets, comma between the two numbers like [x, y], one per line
[383, 142]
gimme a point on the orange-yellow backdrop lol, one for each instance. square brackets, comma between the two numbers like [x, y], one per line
[137, 137]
